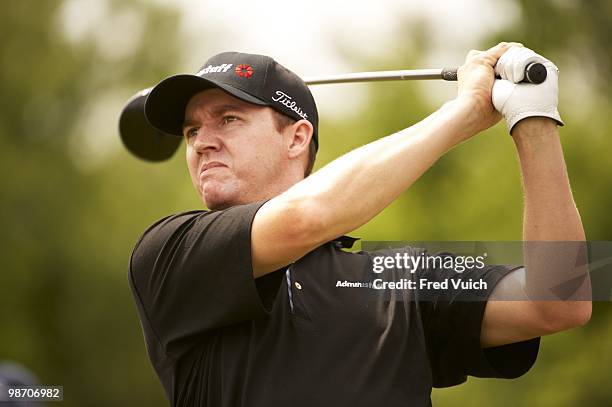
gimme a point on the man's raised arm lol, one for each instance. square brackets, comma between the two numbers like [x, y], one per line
[552, 292]
[354, 188]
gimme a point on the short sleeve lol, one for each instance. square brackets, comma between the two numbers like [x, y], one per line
[191, 273]
[452, 324]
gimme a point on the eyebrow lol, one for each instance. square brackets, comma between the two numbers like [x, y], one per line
[217, 111]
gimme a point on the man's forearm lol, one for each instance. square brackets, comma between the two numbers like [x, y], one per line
[555, 252]
[550, 212]
[352, 189]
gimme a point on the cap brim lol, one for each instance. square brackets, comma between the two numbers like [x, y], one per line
[166, 103]
[139, 137]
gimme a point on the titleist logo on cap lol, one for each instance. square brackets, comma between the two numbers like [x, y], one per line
[214, 69]
[286, 100]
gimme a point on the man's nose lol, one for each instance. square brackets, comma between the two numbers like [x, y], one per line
[206, 140]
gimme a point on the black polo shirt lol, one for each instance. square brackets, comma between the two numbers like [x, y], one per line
[295, 337]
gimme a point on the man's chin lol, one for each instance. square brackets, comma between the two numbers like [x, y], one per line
[216, 199]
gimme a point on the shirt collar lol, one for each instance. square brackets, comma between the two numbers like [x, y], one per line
[345, 242]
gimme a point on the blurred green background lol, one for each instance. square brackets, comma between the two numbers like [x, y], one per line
[74, 202]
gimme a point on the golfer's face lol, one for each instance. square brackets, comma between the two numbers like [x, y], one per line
[233, 149]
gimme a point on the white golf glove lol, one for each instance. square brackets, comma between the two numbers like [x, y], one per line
[517, 101]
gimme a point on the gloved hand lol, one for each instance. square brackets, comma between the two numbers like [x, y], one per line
[517, 101]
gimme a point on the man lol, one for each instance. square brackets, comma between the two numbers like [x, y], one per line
[239, 305]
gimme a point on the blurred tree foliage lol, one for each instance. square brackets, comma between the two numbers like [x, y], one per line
[66, 312]
[70, 218]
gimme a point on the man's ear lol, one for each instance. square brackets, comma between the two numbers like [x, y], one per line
[300, 134]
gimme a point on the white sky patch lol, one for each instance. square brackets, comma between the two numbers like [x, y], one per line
[96, 138]
[78, 19]
[116, 33]
[121, 33]
[578, 89]
[458, 27]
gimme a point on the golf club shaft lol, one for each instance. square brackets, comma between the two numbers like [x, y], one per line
[534, 73]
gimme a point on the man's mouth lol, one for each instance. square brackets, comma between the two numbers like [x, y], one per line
[212, 164]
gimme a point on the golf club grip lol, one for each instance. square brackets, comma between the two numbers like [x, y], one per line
[535, 73]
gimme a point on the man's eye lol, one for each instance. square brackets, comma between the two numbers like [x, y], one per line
[191, 132]
[229, 119]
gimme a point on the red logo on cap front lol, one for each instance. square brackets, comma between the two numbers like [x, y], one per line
[244, 70]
